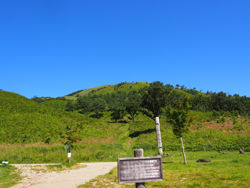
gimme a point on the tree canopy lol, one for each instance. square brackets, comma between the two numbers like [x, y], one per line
[154, 99]
[179, 117]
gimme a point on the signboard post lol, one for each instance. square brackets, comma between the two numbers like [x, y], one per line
[68, 151]
[139, 169]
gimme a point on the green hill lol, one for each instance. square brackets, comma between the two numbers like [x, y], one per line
[126, 87]
[25, 121]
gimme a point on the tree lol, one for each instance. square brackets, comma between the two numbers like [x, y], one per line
[180, 120]
[84, 104]
[118, 110]
[98, 105]
[71, 133]
[132, 104]
[117, 105]
[70, 106]
[154, 99]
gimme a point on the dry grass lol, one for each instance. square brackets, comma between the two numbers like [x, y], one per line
[63, 167]
[97, 140]
[3, 145]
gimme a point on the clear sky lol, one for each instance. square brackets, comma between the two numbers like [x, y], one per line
[55, 47]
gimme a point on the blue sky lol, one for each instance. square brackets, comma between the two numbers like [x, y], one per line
[55, 47]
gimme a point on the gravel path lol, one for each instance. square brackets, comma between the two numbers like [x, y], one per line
[34, 178]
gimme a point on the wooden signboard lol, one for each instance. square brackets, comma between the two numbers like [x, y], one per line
[140, 169]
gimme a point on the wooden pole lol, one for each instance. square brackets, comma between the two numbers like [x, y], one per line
[183, 152]
[158, 133]
[139, 153]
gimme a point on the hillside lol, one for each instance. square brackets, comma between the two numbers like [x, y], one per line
[25, 121]
[102, 90]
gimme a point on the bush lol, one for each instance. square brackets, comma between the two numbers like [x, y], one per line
[238, 127]
[221, 120]
[216, 114]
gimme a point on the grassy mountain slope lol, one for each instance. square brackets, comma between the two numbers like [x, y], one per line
[74, 95]
[24, 123]
[126, 87]
[109, 89]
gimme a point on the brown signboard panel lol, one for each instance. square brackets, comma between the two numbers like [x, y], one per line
[139, 169]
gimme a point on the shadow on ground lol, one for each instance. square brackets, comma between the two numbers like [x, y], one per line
[137, 133]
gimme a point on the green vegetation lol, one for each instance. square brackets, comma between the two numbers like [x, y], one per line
[154, 99]
[24, 121]
[180, 120]
[8, 176]
[112, 123]
[224, 170]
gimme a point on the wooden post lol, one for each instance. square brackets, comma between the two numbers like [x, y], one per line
[139, 153]
[158, 133]
[183, 152]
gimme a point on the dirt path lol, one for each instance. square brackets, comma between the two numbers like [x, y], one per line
[34, 178]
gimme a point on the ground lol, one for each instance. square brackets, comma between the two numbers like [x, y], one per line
[38, 176]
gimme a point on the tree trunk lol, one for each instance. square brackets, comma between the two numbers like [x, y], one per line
[158, 133]
[183, 152]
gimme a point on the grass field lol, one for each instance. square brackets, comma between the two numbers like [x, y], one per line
[8, 176]
[224, 170]
[30, 133]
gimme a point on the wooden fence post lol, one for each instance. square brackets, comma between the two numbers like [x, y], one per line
[139, 153]
[158, 133]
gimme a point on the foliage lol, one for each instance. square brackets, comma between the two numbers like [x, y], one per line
[26, 125]
[71, 134]
[84, 104]
[56, 103]
[179, 118]
[133, 104]
[221, 120]
[200, 101]
[98, 105]
[215, 114]
[70, 106]
[154, 99]
[117, 105]
[26, 121]
[234, 119]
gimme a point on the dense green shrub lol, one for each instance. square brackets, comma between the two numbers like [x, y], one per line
[221, 120]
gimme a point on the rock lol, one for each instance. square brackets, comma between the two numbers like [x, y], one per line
[168, 155]
[241, 151]
[224, 152]
[203, 160]
[219, 151]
